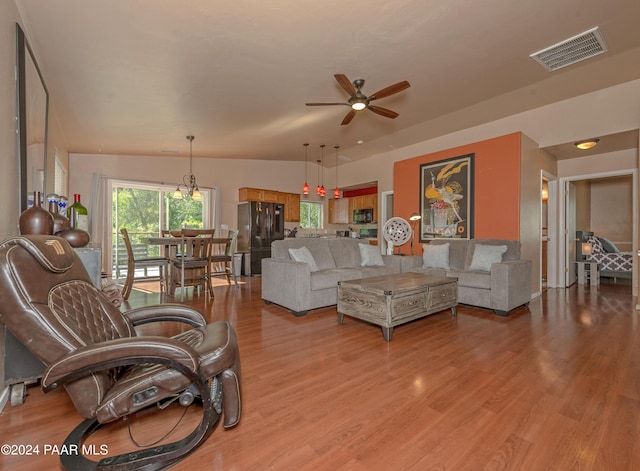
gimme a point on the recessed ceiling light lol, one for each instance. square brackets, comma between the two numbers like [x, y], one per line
[588, 144]
[360, 142]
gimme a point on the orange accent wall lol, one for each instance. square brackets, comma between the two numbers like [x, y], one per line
[496, 208]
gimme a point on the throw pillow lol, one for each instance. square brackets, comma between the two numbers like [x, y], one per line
[607, 245]
[486, 255]
[435, 256]
[370, 256]
[596, 245]
[303, 255]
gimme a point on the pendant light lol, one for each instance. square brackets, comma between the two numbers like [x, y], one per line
[318, 185]
[189, 187]
[336, 192]
[323, 192]
[305, 188]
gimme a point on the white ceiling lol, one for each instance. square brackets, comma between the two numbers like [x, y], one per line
[137, 76]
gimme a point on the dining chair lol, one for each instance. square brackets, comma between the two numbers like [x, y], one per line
[226, 259]
[143, 262]
[191, 265]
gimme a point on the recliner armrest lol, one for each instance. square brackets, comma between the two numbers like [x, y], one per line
[119, 352]
[166, 313]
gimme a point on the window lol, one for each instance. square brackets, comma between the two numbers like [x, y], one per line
[146, 208]
[311, 215]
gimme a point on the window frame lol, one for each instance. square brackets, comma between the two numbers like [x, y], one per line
[320, 208]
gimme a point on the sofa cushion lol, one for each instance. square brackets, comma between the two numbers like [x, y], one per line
[472, 279]
[368, 272]
[435, 256]
[302, 254]
[370, 256]
[457, 251]
[345, 252]
[486, 255]
[512, 253]
[319, 248]
[324, 279]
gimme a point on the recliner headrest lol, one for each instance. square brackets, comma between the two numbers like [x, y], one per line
[54, 253]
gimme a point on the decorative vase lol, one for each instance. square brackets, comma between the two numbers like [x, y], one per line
[36, 219]
[59, 221]
[75, 237]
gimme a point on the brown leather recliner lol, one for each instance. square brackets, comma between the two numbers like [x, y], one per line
[92, 349]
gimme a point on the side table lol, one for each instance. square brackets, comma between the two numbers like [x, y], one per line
[587, 269]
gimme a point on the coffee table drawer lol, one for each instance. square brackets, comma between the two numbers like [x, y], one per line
[442, 296]
[407, 306]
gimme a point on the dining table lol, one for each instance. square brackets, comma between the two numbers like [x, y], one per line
[173, 246]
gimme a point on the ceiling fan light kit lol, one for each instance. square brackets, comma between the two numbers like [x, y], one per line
[358, 101]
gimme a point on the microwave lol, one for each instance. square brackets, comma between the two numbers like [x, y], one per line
[363, 216]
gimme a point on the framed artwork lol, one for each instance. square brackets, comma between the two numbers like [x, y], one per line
[446, 199]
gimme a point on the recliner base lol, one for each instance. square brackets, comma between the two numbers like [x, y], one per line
[153, 458]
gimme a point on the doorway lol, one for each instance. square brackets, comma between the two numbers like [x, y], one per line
[566, 208]
[549, 230]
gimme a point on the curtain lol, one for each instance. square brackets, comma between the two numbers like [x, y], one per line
[100, 218]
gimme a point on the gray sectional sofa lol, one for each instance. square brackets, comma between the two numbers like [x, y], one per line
[297, 286]
[495, 279]
[499, 285]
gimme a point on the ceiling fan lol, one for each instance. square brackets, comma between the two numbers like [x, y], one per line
[359, 101]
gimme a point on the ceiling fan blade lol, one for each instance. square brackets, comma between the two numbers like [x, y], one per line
[346, 84]
[326, 104]
[383, 112]
[347, 119]
[390, 90]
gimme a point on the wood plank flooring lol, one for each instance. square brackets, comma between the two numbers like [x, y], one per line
[553, 387]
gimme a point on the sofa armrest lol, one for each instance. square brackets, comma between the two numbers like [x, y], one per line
[287, 283]
[510, 285]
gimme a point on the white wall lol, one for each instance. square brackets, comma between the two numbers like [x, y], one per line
[618, 109]
[226, 174]
[8, 140]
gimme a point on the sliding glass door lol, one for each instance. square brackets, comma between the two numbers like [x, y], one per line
[145, 209]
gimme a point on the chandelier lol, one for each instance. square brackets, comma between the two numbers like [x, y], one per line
[189, 187]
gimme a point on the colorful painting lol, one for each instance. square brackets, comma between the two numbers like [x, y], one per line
[446, 199]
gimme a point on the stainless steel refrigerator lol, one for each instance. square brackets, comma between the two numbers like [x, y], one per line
[259, 224]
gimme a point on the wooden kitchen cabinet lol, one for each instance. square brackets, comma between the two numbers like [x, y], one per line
[291, 201]
[363, 202]
[270, 196]
[292, 207]
[339, 211]
[250, 194]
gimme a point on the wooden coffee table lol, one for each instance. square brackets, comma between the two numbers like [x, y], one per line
[391, 300]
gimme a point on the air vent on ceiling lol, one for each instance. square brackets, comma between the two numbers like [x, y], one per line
[578, 48]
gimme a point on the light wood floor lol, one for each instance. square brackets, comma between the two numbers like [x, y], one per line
[554, 387]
